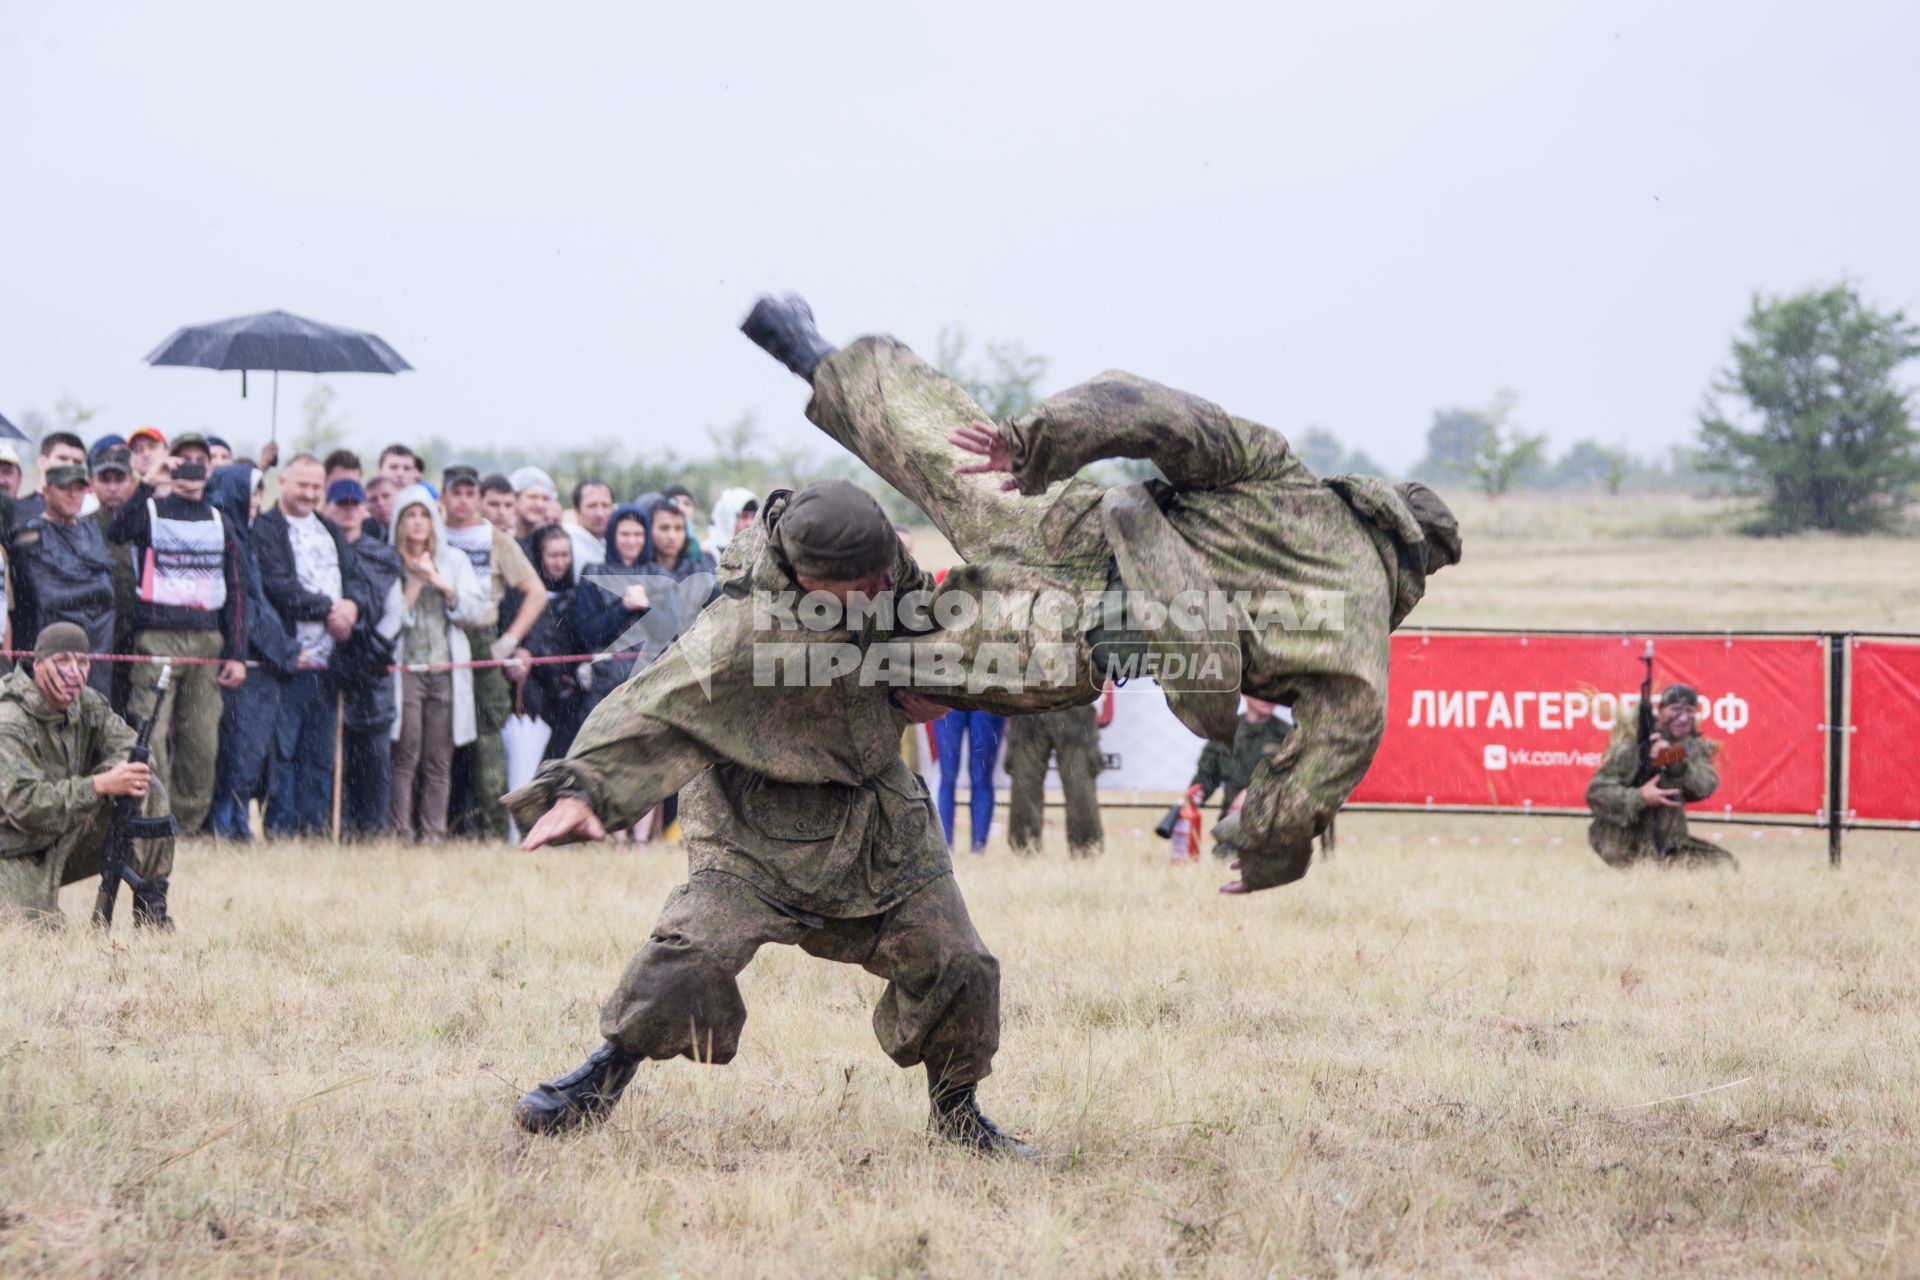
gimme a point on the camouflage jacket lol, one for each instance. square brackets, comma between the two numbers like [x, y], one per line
[796, 788]
[1335, 564]
[47, 762]
[1229, 769]
[1623, 827]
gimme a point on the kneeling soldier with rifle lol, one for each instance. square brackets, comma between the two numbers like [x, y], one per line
[1645, 779]
[75, 792]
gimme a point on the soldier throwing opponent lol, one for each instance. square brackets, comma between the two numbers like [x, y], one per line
[802, 823]
[1348, 557]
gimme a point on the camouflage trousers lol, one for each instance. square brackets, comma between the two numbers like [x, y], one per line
[680, 997]
[186, 732]
[1072, 737]
[30, 884]
[1625, 846]
[487, 757]
[894, 412]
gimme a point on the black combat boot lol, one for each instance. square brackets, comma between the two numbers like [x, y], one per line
[150, 906]
[582, 1096]
[783, 328]
[957, 1118]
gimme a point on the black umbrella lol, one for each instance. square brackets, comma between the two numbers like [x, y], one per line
[10, 432]
[276, 340]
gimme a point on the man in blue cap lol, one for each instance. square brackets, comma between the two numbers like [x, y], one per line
[369, 711]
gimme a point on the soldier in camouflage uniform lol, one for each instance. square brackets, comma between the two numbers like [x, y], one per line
[1647, 823]
[1071, 736]
[1239, 512]
[802, 825]
[63, 760]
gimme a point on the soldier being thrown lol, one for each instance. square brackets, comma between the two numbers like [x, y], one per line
[1648, 823]
[63, 759]
[802, 826]
[1240, 514]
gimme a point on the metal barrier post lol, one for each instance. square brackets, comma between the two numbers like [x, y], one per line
[1837, 647]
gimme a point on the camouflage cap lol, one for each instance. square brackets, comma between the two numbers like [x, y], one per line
[834, 531]
[71, 473]
[60, 637]
[1437, 522]
[1676, 694]
[113, 457]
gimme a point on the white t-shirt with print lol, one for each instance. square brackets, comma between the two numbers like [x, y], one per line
[317, 561]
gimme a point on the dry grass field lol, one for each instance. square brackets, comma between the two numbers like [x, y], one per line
[1460, 1047]
[1442, 1052]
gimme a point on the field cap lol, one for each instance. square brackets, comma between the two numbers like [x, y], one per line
[61, 637]
[112, 457]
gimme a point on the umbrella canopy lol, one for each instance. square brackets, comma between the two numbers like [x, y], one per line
[277, 340]
[10, 432]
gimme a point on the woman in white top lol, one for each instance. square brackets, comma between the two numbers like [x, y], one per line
[427, 612]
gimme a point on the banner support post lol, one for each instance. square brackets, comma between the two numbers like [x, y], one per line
[1836, 741]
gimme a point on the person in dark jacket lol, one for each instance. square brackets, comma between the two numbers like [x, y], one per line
[113, 487]
[611, 600]
[62, 573]
[248, 710]
[370, 711]
[554, 691]
[314, 582]
[188, 603]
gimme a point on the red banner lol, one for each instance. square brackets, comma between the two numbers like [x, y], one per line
[1522, 721]
[1883, 770]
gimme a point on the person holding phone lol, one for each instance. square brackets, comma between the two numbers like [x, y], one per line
[189, 602]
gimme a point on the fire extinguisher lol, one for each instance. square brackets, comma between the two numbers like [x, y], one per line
[1187, 829]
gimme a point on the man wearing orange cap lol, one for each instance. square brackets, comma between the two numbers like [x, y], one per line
[147, 445]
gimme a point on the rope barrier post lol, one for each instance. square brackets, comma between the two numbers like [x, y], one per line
[1837, 646]
[339, 754]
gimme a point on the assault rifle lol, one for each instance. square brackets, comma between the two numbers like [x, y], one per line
[1648, 764]
[129, 824]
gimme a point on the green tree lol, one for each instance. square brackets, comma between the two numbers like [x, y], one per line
[1005, 386]
[1808, 412]
[1502, 454]
[69, 414]
[1324, 455]
[321, 429]
[1453, 440]
[1588, 464]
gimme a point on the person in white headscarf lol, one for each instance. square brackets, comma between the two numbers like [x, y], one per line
[536, 501]
[428, 611]
[733, 512]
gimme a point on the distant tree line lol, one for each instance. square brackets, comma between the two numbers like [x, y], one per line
[1809, 417]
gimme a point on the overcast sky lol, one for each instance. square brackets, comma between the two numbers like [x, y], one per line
[1338, 214]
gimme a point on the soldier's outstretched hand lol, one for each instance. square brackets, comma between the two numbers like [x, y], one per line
[988, 442]
[569, 819]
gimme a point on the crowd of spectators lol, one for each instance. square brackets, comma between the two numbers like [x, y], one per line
[383, 625]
